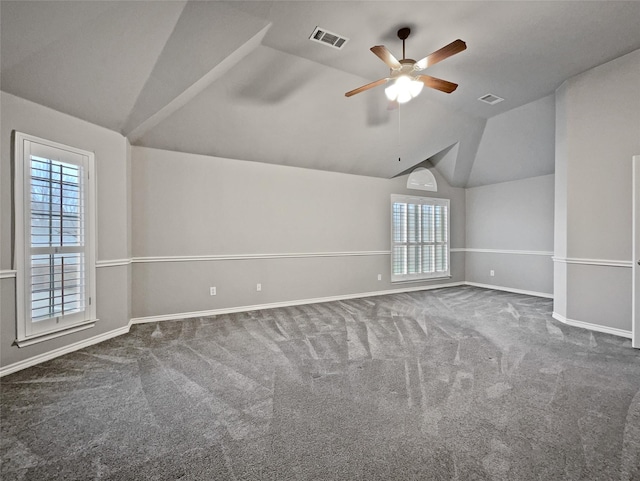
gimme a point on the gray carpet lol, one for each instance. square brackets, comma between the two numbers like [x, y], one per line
[457, 384]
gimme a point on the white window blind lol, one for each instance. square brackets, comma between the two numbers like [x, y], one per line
[419, 238]
[55, 264]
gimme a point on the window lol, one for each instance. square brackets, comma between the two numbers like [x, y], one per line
[55, 236]
[419, 238]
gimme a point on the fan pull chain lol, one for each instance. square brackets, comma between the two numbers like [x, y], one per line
[399, 142]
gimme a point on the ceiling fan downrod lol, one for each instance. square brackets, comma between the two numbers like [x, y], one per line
[403, 34]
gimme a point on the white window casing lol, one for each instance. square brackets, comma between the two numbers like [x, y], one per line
[420, 246]
[55, 239]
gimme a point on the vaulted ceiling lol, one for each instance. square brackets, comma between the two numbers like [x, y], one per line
[242, 80]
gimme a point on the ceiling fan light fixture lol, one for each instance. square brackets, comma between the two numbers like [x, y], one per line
[416, 88]
[403, 89]
[391, 91]
[404, 97]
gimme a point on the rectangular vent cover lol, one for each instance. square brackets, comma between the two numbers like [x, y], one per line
[491, 99]
[326, 37]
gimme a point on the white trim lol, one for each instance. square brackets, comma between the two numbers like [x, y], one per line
[32, 361]
[29, 341]
[444, 232]
[510, 289]
[25, 146]
[273, 305]
[593, 262]
[229, 257]
[8, 274]
[234, 257]
[635, 275]
[422, 179]
[113, 263]
[592, 327]
[505, 251]
[429, 279]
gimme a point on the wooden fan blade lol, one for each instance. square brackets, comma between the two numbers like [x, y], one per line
[438, 84]
[447, 51]
[366, 87]
[386, 56]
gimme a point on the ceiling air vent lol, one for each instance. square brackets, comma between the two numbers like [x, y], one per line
[491, 99]
[326, 37]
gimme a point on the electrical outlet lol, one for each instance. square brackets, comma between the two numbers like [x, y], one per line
[379, 277]
[212, 291]
[492, 273]
[258, 287]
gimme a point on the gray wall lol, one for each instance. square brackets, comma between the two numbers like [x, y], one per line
[113, 218]
[510, 230]
[325, 234]
[510, 222]
[517, 144]
[598, 132]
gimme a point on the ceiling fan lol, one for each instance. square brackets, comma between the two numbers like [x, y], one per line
[407, 84]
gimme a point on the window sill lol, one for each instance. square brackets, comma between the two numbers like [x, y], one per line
[424, 279]
[52, 335]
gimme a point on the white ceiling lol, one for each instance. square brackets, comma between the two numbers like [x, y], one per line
[241, 79]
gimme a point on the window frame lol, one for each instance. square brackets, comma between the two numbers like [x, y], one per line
[27, 331]
[419, 200]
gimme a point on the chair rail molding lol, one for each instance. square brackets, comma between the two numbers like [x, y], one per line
[233, 257]
[113, 263]
[593, 262]
[242, 257]
[509, 251]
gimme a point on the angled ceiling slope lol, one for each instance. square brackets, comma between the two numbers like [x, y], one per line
[208, 40]
[88, 59]
[240, 79]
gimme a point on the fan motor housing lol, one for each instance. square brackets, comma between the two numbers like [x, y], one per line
[407, 66]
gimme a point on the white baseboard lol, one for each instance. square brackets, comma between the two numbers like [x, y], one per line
[273, 305]
[592, 327]
[510, 289]
[32, 361]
